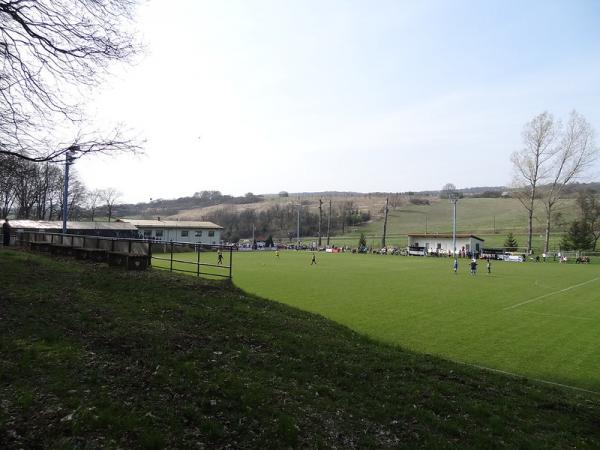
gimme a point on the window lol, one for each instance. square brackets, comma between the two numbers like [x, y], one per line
[147, 233]
[158, 234]
[184, 233]
[198, 233]
[439, 246]
[211, 233]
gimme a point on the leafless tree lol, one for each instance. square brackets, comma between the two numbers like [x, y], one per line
[7, 184]
[76, 195]
[93, 200]
[52, 52]
[447, 190]
[575, 152]
[48, 191]
[110, 197]
[530, 165]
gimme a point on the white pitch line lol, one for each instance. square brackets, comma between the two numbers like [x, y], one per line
[562, 316]
[550, 293]
[539, 380]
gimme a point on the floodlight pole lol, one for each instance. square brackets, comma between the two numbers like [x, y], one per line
[298, 226]
[69, 158]
[328, 222]
[454, 199]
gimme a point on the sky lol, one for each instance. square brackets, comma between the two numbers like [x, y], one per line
[390, 96]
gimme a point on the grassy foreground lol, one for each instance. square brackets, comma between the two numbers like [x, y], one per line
[92, 357]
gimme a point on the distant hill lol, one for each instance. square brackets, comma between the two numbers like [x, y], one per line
[206, 199]
[353, 212]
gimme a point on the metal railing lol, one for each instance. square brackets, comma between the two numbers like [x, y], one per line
[193, 258]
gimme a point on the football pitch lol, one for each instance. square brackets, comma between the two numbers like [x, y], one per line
[540, 320]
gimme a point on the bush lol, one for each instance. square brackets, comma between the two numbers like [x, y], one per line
[511, 243]
[419, 201]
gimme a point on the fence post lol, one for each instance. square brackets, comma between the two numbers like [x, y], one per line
[149, 253]
[171, 256]
[230, 260]
[198, 260]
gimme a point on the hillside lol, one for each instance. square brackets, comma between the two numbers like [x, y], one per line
[94, 357]
[482, 211]
[202, 203]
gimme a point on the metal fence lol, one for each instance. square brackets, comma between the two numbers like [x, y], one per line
[199, 259]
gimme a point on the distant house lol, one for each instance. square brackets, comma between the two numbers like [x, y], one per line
[177, 230]
[104, 229]
[442, 243]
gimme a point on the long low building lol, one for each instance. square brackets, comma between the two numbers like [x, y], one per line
[442, 243]
[104, 229]
[177, 230]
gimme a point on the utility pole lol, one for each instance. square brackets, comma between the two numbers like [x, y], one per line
[320, 216]
[385, 222]
[328, 222]
[454, 199]
[69, 158]
[298, 226]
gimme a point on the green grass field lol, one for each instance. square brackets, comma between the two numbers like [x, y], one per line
[537, 320]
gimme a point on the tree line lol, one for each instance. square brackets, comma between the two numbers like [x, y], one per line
[281, 220]
[33, 190]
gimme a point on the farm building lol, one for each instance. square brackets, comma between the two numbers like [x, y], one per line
[104, 229]
[177, 230]
[442, 243]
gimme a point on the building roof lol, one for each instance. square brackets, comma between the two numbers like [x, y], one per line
[176, 224]
[444, 235]
[71, 225]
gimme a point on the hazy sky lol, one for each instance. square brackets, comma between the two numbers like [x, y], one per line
[263, 96]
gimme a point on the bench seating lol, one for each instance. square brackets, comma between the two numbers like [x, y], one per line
[117, 259]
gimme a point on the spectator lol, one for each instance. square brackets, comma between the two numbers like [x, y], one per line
[6, 232]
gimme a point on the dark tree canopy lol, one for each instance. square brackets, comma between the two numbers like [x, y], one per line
[510, 243]
[52, 52]
[579, 237]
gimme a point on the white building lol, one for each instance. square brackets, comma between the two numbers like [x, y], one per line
[442, 243]
[177, 230]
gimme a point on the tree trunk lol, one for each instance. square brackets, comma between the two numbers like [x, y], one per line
[529, 230]
[547, 237]
[385, 223]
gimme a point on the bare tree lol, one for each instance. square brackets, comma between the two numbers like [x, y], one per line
[575, 153]
[110, 197]
[93, 200]
[447, 190]
[530, 165]
[52, 51]
[7, 184]
[49, 189]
